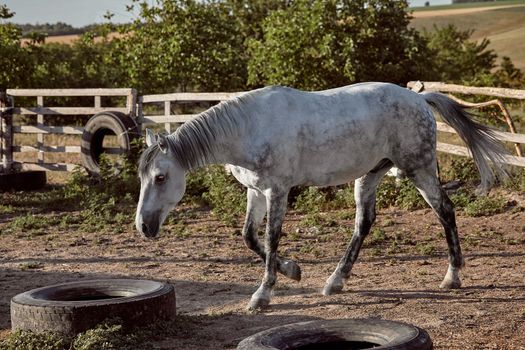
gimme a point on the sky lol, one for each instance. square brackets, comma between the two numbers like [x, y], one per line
[79, 13]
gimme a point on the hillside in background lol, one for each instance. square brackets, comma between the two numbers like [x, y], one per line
[503, 25]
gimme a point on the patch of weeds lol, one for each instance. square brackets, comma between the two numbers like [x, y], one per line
[309, 249]
[180, 230]
[346, 215]
[457, 168]
[376, 252]
[313, 219]
[30, 265]
[108, 335]
[310, 201]
[30, 222]
[377, 237]
[516, 181]
[388, 222]
[484, 206]
[6, 209]
[66, 221]
[386, 193]
[470, 241]
[462, 198]
[409, 197]
[426, 248]
[343, 198]
[33, 341]
[395, 247]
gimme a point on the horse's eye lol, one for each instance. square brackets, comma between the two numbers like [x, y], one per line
[160, 179]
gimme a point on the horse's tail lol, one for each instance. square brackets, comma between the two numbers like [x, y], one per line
[480, 139]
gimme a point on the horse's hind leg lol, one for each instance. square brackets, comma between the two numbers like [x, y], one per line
[365, 199]
[428, 185]
[255, 212]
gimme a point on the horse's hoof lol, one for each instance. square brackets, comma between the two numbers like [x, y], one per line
[334, 285]
[258, 304]
[290, 269]
[450, 284]
[331, 287]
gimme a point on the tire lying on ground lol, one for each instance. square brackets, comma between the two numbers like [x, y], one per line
[98, 127]
[23, 181]
[340, 334]
[71, 308]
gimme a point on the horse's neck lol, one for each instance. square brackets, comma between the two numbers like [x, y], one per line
[207, 143]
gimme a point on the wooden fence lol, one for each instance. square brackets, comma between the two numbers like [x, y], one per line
[40, 110]
[167, 118]
[137, 107]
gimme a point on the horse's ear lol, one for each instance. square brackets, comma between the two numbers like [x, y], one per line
[150, 138]
[163, 143]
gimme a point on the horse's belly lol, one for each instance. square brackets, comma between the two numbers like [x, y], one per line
[332, 172]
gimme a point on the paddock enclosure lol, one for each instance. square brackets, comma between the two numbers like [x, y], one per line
[400, 266]
[40, 131]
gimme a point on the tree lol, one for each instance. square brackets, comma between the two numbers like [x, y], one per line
[314, 44]
[456, 58]
[183, 45]
[13, 61]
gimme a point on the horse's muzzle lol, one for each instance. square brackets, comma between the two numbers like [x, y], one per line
[149, 228]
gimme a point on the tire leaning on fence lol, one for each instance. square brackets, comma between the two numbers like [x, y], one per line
[98, 127]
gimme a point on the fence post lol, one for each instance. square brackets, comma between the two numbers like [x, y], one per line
[40, 135]
[6, 140]
[167, 112]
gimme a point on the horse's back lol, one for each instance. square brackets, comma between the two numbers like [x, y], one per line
[336, 135]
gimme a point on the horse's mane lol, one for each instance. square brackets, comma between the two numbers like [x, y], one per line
[195, 142]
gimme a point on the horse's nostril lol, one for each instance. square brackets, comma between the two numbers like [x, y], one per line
[145, 229]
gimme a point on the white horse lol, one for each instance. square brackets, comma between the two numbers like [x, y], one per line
[275, 138]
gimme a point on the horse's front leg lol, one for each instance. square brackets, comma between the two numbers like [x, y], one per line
[276, 207]
[255, 212]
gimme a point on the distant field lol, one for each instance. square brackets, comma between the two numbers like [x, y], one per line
[502, 22]
[469, 5]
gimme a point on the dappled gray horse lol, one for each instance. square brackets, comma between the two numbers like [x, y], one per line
[276, 138]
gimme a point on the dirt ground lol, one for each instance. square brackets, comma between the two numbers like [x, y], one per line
[396, 277]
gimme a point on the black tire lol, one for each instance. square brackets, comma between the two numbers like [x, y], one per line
[340, 334]
[23, 181]
[97, 127]
[71, 308]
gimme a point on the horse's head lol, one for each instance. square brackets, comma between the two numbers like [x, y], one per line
[162, 185]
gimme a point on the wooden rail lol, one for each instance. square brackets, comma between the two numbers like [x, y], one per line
[512, 136]
[8, 131]
[182, 97]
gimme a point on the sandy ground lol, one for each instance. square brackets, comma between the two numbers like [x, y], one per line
[214, 275]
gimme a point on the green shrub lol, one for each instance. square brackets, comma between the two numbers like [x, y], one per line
[225, 195]
[402, 194]
[311, 200]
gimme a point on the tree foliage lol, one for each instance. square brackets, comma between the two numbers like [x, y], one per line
[315, 44]
[212, 45]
